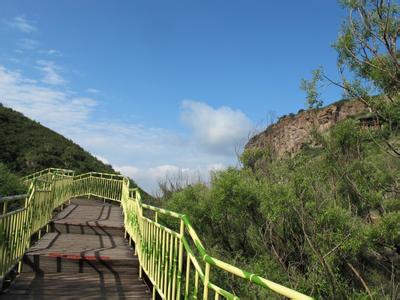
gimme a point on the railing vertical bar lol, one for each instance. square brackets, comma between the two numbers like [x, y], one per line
[188, 262]
[206, 281]
[180, 259]
[153, 250]
[163, 262]
[170, 269]
[13, 236]
[145, 245]
[150, 240]
[166, 263]
[5, 245]
[159, 253]
[174, 279]
[196, 284]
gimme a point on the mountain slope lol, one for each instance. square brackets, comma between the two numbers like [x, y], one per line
[27, 146]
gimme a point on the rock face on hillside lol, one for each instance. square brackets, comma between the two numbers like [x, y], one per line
[291, 133]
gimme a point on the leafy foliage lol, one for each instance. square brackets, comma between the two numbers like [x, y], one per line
[10, 184]
[311, 87]
[368, 62]
[324, 222]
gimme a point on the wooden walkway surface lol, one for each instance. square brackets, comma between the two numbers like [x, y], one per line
[83, 256]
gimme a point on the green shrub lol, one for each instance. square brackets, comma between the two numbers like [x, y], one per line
[10, 184]
[317, 222]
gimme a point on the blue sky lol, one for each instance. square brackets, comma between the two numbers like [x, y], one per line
[159, 87]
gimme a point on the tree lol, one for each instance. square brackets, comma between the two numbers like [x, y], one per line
[368, 62]
[311, 88]
[367, 47]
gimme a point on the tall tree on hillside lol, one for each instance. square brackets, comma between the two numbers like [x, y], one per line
[368, 62]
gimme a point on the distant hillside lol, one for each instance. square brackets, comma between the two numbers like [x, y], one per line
[27, 146]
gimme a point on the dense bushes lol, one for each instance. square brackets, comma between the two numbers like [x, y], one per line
[325, 222]
[9, 183]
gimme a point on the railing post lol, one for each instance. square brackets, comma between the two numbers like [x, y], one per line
[206, 281]
[180, 260]
[5, 207]
[140, 225]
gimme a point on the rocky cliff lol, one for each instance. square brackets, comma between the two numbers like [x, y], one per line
[291, 133]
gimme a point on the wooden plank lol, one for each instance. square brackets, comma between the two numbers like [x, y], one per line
[96, 263]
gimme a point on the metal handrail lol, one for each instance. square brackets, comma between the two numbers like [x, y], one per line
[12, 198]
[161, 250]
[65, 172]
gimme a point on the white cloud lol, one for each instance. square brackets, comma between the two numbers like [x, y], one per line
[14, 60]
[54, 108]
[130, 171]
[83, 101]
[102, 159]
[51, 52]
[150, 154]
[148, 178]
[27, 44]
[215, 167]
[218, 130]
[93, 91]
[50, 72]
[154, 173]
[22, 24]
[146, 154]
[160, 172]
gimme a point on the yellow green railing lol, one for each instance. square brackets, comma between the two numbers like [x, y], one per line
[102, 185]
[13, 232]
[48, 174]
[173, 258]
[170, 258]
[23, 216]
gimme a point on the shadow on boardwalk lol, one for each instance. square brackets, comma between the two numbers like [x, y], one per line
[84, 256]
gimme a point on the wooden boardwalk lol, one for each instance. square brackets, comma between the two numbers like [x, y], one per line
[83, 256]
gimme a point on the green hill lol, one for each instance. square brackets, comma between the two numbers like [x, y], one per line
[26, 146]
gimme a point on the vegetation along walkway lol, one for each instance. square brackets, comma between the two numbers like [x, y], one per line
[85, 252]
[85, 255]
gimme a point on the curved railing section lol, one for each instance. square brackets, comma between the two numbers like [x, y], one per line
[101, 185]
[48, 174]
[24, 215]
[172, 257]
